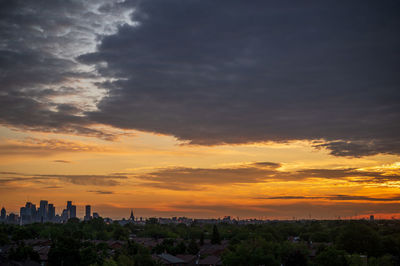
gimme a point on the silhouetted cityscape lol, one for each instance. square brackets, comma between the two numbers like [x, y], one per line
[47, 213]
[41, 236]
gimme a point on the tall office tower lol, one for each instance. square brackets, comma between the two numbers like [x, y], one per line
[12, 218]
[22, 215]
[87, 213]
[43, 210]
[69, 205]
[72, 211]
[64, 215]
[3, 214]
[52, 212]
[33, 212]
[30, 213]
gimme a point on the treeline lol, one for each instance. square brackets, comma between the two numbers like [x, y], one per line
[273, 243]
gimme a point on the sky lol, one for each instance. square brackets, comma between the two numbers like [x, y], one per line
[200, 108]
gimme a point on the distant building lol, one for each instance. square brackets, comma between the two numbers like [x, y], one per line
[28, 213]
[87, 213]
[64, 215]
[168, 259]
[51, 212]
[132, 217]
[72, 212]
[96, 215]
[23, 216]
[3, 214]
[69, 204]
[43, 210]
[372, 218]
[12, 218]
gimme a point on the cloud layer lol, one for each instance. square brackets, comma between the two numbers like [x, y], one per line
[43, 87]
[184, 178]
[233, 72]
[209, 73]
[83, 180]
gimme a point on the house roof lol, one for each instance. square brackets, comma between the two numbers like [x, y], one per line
[186, 258]
[210, 260]
[170, 258]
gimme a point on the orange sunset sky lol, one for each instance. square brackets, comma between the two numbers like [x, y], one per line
[201, 109]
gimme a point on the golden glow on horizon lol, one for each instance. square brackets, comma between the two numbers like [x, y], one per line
[135, 171]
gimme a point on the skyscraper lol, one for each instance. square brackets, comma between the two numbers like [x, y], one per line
[22, 215]
[43, 210]
[87, 213]
[71, 210]
[51, 212]
[29, 215]
[3, 214]
[72, 213]
[64, 215]
[69, 204]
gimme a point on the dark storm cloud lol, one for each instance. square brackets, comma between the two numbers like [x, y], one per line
[39, 40]
[209, 72]
[23, 111]
[215, 72]
[361, 148]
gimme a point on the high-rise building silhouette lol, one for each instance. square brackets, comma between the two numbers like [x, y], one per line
[22, 215]
[43, 210]
[73, 212]
[51, 212]
[28, 213]
[64, 215]
[132, 217]
[87, 213]
[69, 204]
[3, 214]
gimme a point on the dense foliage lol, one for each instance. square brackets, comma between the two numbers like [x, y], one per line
[273, 243]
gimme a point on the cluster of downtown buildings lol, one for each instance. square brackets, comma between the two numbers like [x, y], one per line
[45, 213]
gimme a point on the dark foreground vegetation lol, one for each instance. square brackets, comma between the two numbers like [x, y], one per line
[274, 243]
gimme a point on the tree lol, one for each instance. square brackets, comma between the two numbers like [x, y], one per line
[124, 260]
[331, 257]
[215, 239]
[152, 220]
[65, 251]
[202, 238]
[360, 238]
[120, 233]
[295, 258]
[23, 253]
[192, 247]
[109, 262]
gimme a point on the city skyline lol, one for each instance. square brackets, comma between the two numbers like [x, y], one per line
[201, 108]
[85, 211]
